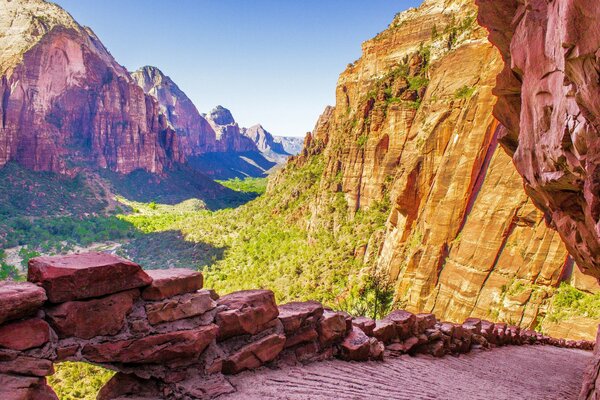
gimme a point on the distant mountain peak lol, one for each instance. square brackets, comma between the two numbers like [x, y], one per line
[221, 116]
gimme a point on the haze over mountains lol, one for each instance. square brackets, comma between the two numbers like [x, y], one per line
[68, 105]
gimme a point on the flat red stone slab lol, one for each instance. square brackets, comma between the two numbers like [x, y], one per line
[81, 276]
[171, 282]
[179, 345]
[18, 300]
[23, 335]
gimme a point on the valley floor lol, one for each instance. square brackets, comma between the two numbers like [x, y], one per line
[526, 372]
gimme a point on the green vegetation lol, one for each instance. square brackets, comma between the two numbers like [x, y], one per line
[61, 233]
[78, 381]
[265, 243]
[246, 185]
[362, 141]
[8, 271]
[464, 92]
[569, 301]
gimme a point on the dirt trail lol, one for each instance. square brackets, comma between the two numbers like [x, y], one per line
[526, 372]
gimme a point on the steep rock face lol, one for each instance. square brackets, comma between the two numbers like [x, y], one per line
[291, 145]
[266, 143]
[194, 132]
[229, 134]
[548, 101]
[66, 102]
[413, 127]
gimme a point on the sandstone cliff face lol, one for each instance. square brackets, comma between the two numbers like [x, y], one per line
[229, 133]
[194, 132]
[266, 143]
[66, 102]
[413, 126]
[548, 101]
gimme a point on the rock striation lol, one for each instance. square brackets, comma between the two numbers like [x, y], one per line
[168, 338]
[547, 100]
[413, 127]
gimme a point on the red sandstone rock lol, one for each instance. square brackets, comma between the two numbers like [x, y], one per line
[376, 349]
[365, 324]
[356, 346]
[385, 331]
[548, 101]
[294, 315]
[23, 335]
[89, 318]
[170, 282]
[18, 300]
[424, 322]
[81, 276]
[254, 354]
[162, 348]
[332, 328]
[25, 388]
[308, 334]
[248, 312]
[473, 325]
[180, 307]
[404, 322]
[24, 365]
[121, 385]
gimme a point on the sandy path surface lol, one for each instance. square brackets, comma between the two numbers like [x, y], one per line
[527, 372]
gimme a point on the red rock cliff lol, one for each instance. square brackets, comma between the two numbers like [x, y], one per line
[549, 103]
[66, 102]
[413, 126]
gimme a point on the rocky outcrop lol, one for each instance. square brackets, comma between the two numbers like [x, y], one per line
[229, 133]
[547, 100]
[266, 143]
[194, 132]
[413, 128]
[181, 342]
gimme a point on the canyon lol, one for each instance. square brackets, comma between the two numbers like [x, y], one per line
[413, 127]
[459, 158]
[67, 105]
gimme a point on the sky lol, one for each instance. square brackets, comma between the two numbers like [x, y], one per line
[274, 62]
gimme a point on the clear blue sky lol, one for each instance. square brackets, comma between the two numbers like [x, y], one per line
[270, 61]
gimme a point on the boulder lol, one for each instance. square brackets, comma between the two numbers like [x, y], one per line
[404, 322]
[82, 276]
[385, 331]
[295, 315]
[90, 318]
[24, 365]
[365, 324]
[473, 325]
[248, 312]
[171, 282]
[180, 307]
[254, 354]
[23, 335]
[424, 322]
[356, 346]
[332, 328]
[305, 335]
[123, 385]
[18, 300]
[174, 346]
[25, 388]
